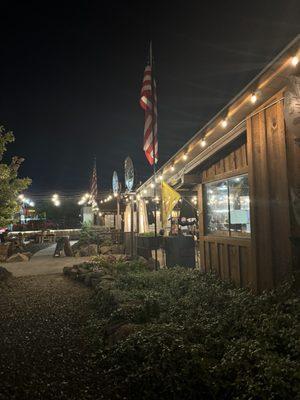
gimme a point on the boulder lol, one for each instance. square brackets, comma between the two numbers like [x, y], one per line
[105, 250]
[117, 249]
[19, 257]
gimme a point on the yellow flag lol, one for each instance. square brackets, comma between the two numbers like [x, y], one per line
[169, 198]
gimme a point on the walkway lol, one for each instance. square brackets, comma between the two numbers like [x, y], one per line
[44, 350]
[42, 262]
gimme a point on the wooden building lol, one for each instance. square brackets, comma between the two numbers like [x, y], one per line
[245, 165]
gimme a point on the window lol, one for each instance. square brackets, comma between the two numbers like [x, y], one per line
[227, 210]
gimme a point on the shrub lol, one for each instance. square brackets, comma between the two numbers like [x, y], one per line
[199, 338]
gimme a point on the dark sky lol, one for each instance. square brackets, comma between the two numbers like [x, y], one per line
[71, 76]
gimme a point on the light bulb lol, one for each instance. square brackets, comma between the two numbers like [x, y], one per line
[224, 123]
[184, 157]
[294, 61]
[253, 98]
[203, 143]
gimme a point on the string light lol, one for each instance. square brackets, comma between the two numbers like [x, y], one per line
[172, 168]
[203, 142]
[224, 123]
[184, 157]
[253, 98]
[294, 61]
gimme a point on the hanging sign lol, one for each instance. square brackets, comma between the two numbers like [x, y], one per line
[129, 173]
[115, 184]
[292, 107]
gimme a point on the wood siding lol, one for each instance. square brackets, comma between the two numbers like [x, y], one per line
[231, 164]
[227, 257]
[269, 205]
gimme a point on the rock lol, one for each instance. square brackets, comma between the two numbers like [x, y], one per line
[66, 270]
[107, 278]
[84, 251]
[117, 249]
[105, 285]
[92, 249]
[28, 254]
[4, 274]
[142, 260]
[19, 257]
[105, 249]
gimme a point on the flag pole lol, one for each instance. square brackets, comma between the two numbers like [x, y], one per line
[154, 153]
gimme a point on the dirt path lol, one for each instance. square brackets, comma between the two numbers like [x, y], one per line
[44, 353]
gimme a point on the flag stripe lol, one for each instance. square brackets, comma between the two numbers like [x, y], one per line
[148, 102]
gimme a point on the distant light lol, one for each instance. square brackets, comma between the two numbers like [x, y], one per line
[21, 197]
[172, 168]
[253, 98]
[31, 203]
[202, 142]
[146, 201]
[100, 214]
[224, 123]
[115, 194]
[160, 177]
[145, 191]
[101, 201]
[294, 61]
[152, 185]
[184, 157]
[55, 196]
[138, 197]
[57, 203]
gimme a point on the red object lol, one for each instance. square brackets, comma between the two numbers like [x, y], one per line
[148, 102]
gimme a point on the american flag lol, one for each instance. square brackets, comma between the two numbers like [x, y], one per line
[94, 188]
[148, 102]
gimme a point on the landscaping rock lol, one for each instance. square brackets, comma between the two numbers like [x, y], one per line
[105, 250]
[19, 257]
[66, 270]
[117, 249]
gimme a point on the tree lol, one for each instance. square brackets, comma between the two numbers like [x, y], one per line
[10, 185]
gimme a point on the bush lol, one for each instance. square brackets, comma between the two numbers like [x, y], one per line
[199, 338]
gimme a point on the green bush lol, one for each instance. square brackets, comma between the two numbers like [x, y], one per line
[199, 338]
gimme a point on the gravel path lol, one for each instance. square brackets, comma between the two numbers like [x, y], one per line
[44, 352]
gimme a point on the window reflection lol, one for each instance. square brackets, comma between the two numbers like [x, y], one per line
[227, 208]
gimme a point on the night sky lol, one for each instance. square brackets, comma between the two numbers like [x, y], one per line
[71, 76]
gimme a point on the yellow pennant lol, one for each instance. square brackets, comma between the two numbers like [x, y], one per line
[169, 198]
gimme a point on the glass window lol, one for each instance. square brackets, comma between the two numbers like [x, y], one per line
[239, 205]
[227, 208]
[217, 214]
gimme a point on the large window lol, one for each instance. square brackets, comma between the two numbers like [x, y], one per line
[227, 210]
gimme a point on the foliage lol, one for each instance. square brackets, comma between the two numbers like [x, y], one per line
[197, 338]
[10, 185]
[89, 235]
